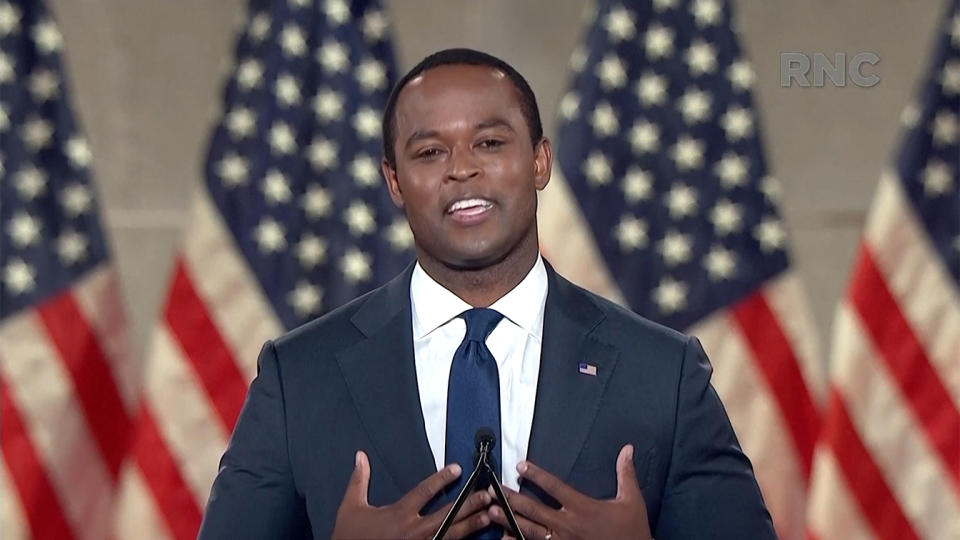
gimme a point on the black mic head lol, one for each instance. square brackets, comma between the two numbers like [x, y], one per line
[484, 436]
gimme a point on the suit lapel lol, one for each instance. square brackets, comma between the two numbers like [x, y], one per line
[567, 400]
[381, 376]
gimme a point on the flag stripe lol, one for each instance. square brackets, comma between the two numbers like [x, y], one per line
[92, 378]
[866, 482]
[35, 491]
[189, 322]
[774, 356]
[162, 474]
[137, 513]
[904, 356]
[11, 512]
[833, 511]
[789, 303]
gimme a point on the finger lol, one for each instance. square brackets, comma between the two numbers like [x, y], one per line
[474, 503]
[359, 480]
[530, 529]
[627, 486]
[428, 488]
[564, 494]
[468, 525]
[523, 505]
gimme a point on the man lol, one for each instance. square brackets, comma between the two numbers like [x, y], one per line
[359, 424]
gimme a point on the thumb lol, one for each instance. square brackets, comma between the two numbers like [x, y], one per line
[359, 480]
[627, 485]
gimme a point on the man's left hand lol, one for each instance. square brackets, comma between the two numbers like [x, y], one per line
[580, 516]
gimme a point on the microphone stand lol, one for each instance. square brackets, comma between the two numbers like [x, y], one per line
[482, 467]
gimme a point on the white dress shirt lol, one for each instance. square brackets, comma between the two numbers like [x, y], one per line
[515, 344]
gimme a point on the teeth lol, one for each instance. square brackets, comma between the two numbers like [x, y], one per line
[469, 203]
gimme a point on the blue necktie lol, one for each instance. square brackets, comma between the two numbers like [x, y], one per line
[473, 395]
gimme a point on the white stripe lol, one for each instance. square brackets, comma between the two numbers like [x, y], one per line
[788, 301]
[99, 298]
[758, 423]
[234, 299]
[137, 515]
[43, 392]
[13, 521]
[918, 279]
[913, 470]
[184, 415]
[833, 512]
[567, 242]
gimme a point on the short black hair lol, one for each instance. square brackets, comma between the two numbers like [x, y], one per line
[447, 57]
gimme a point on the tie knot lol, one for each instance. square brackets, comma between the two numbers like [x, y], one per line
[480, 322]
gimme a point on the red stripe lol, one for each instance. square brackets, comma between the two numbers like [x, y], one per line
[202, 345]
[161, 473]
[93, 379]
[37, 496]
[773, 354]
[907, 361]
[863, 477]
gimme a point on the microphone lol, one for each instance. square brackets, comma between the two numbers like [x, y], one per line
[484, 441]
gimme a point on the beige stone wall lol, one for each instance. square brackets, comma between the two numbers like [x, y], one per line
[147, 77]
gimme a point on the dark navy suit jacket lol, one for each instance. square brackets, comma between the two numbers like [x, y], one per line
[347, 381]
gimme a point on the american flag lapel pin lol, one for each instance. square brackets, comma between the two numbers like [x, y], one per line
[587, 369]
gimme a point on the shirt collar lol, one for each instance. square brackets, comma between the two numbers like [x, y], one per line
[433, 305]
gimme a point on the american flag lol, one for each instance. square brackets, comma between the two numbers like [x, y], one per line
[888, 461]
[291, 221]
[664, 202]
[67, 384]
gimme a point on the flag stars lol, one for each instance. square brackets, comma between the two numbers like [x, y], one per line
[282, 138]
[71, 247]
[47, 37]
[670, 295]
[658, 41]
[364, 171]
[276, 188]
[604, 120]
[663, 5]
[31, 182]
[359, 218]
[287, 90]
[681, 201]
[945, 128]
[732, 170]
[322, 154]
[6, 68]
[695, 106]
[644, 137]
[311, 251]
[706, 12]
[270, 236]
[954, 30]
[701, 57]
[249, 74]
[317, 202]
[328, 105]
[737, 122]
[333, 57]
[371, 75]
[259, 27]
[241, 122]
[578, 59]
[78, 152]
[9, 19]
[620, 24]
[727, 217]
[631, 233]
[637, 185]
[374, 26]
[652, 89]
[336, 11]
[771, 188]
[233, 170]
[4, 118]
[399, 235]
[720, 263]
[688, 153]
[19, 277]
[36, 133]
[675, 248]
[367, 123]
[770, 234]
[43, 85]
[76, 199]
[306, 299]
[741, 75]
[569, 106]
[597, 168]
[950, 78]
[292, 41]
[355, 266]
[23, 229]
[937, 178]
[611, 72]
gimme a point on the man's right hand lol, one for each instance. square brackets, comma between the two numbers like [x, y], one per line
[402, 519]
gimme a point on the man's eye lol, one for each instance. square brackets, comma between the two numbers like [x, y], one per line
[428, 153]
[491, 143]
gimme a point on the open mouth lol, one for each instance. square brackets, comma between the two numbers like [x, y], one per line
[467, 208]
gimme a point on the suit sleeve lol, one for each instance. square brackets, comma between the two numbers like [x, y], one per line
[253, 495]
[710, 491]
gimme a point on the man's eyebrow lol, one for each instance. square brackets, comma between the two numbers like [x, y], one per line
[421, 134]
[418, 135]
[494, 122]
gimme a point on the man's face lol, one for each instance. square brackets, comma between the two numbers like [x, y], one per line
[466, 172]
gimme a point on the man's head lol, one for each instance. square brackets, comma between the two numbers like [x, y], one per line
[464, 156]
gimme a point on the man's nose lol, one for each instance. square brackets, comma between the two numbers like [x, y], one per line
[462, 165]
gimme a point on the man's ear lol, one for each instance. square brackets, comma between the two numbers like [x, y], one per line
[542, 163]
[390, 176]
